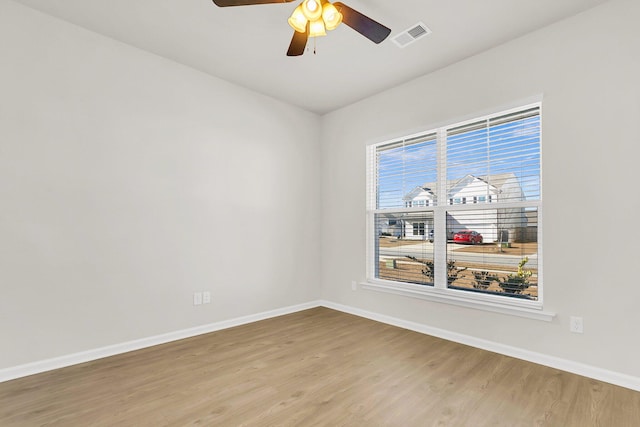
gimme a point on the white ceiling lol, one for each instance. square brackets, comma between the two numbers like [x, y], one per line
[246, 45]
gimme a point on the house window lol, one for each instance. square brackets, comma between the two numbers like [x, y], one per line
[483, 253]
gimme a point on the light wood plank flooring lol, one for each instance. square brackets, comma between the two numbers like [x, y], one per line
[318, 367]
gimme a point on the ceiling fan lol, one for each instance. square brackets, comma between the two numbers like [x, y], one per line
[313, 17]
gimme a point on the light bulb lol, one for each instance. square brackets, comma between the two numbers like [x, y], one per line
[332, 18]
[312, 9]
[316, 28]
[298, 21]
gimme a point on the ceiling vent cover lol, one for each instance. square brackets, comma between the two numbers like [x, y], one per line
[411, 35]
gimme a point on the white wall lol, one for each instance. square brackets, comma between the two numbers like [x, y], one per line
[588, 68]
[123, 179]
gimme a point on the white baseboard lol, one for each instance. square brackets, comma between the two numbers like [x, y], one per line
[600, 374]
[99, 353]
[605, 375]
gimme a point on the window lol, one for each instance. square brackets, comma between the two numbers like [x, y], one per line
[485, 233]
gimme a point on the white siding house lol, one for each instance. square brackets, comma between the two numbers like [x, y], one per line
[470, 189]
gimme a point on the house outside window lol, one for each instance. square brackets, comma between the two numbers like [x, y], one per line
[479, 252]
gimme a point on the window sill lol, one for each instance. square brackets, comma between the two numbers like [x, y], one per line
[527, 309]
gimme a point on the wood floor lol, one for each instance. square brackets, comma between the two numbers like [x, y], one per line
[314, 368]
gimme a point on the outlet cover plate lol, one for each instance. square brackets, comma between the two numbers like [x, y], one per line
[197, 298]
[576, 325]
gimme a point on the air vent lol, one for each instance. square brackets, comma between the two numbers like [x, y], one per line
[411, 35]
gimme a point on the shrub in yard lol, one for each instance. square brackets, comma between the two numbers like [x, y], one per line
[452, 270]
[516, 283]
[428, 266]
[483, 279]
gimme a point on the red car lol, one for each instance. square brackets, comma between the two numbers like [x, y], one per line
[468, 236]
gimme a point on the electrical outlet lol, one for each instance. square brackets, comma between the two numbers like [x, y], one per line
[197, 298]
[206, 297]
[576, 325]
[354, 285]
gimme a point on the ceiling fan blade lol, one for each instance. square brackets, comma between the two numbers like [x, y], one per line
[298, 43]
[225, 3]
[374, 31]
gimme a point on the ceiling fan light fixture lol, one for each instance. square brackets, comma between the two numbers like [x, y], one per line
[312, 9]
[298, 21]
[332, 18]
[316, 28]
[313, 18]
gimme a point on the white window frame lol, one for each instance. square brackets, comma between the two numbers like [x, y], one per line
[440, 292]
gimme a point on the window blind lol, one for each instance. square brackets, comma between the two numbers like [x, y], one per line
[499, 154]
[457, 208]
[403, 167]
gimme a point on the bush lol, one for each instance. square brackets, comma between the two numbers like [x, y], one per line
[483, 279]
[452, 270]
[516, 283]
[428, 266]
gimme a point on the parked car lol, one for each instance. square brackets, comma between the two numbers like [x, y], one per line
[467, 236]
